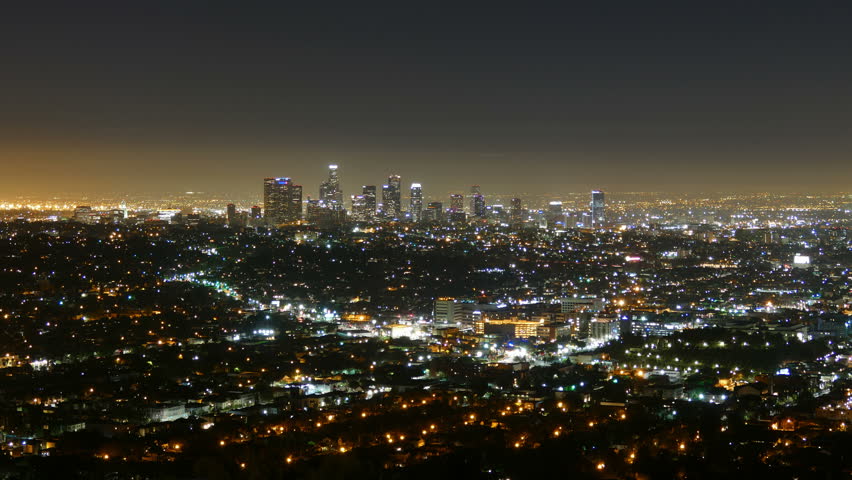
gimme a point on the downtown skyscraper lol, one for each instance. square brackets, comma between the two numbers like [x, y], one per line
[282, 200]
[597, 208]
[364, 205]
[415, 205]
[392, 197]
[330, 192]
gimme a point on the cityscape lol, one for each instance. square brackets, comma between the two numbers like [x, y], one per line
[318, 241]
[311, 336]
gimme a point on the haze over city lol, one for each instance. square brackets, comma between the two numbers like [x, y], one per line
[154, 97]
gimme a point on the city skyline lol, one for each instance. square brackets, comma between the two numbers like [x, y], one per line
[346, 240]
[629, 98]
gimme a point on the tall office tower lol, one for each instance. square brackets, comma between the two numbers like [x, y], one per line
[597, 207]
[415, 204]
[555, 214]
[282, 200]
[474, 191]
[256, 216]
[232, 215]
[330, 191]
[457, 202]
[516, 211]
[360, 212]
[315, 212]
[456, 213]
[392, 197]
[434, 212]
[296, 202]
[369, 193]
[477, 205]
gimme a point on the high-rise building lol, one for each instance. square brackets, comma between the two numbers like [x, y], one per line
[282, 200]
[554, 209]
[232, 215]
[415, 204]
[392, 197]
[330, 191]
[256, 216]
[448, 310]
[597, 208]
[516, 211]
[477, 205]
[296, 202]
[474, 191]
[434, 212]
[360, 212]
[457, 202]
[369, 193]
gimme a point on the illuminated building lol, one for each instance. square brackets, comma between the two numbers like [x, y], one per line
[516, 212]
[255, 216]
[330, 192]
[84, 214]
[801, 261]
[323, 214]
[369, 193]
[282, 200]
[580, 304]
[603, 329]
[597, 209]
[415, 206]
[456, 202]
[232, 215]
[392, 197]
[360, 210]
[170, 215]
[296, 202]
[555, 215]
[447, 310]
[478, 202]
[511, 328]
[434, 212]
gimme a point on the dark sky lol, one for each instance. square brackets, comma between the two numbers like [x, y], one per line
[516, 96]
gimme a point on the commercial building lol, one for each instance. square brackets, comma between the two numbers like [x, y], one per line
[282, 200]
[598, 209]
[415, 206]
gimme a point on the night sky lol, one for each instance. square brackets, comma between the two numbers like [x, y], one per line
[632, 96]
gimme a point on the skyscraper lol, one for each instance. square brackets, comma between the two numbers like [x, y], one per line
[555, 214]
[232, 215]
[256, 216]
[516, 211]
[360, 212]
[282, 200]
[597, 208]
[434, 212]
[415, 205]
[369, 193]
[456, 213]
[330, 192]
[456, 202]
[295, 210]
[477, 205]
[474, 191]
[392, 197]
